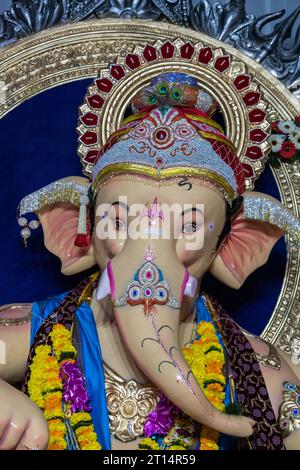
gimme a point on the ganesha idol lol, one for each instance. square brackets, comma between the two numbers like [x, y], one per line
[137, 356]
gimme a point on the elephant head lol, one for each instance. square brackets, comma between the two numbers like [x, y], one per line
[153, 255]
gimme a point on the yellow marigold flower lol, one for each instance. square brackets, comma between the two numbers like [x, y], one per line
[91, 446]
[149, 443]
[56, 425]
[208, 343]
[53, 400]
[81, 416]
[42, 351]
[205, 326]
[61, 330]
[84, 430]
[177, 447]
[215, 387]
[216, 377]
[53, 413]
[57, 444]
[207, 444]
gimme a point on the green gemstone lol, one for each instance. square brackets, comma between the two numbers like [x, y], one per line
[176, 95]
[152, 99]
[163, 90]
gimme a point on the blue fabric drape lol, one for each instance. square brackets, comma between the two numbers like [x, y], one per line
[91, 360]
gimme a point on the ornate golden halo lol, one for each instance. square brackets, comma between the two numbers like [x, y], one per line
[83, 50]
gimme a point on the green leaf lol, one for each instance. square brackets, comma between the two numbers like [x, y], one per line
[274, 161]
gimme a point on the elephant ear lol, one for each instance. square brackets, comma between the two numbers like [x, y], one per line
[59, 222]
[246, 247]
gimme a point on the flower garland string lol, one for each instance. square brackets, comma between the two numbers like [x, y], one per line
[57, 386]
[166, 427]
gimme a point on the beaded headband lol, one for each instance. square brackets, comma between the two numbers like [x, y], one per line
[163, 145]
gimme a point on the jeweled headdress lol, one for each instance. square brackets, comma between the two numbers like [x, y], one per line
[169, 133]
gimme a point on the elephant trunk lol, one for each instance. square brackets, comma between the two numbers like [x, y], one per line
[152, 337]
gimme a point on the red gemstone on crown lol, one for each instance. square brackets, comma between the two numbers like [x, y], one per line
[132, 61]
[150, 53]
[257, 115]
[248, 170]
[90, 119]
[222, 63]
[167, 50]
[242, 81]
[89, 138]
[187, 50]
[117, 71]
[205, 55]
[95, 101]
[104, 85]
[251, 98]
[254, 152]
[91, 156]
[258, 135]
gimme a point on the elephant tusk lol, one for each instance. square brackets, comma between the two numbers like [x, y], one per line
[106, 284]
[189, 285]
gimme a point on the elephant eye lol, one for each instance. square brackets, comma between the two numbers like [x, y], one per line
[190, 227]
[119, 224]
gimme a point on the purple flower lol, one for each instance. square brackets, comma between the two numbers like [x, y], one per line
[270, 415]
[73, 387]
[263, 391]
[251, 390]
[257, 413]
[161, 420]
[276, 440]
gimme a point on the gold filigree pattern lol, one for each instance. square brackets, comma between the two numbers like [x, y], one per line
[14, 321]
[129, 405]
[82, 50]
[271, 359]
[289, 411]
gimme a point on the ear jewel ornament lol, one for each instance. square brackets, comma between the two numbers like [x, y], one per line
[26, 228]
[62, 191]
[83, 237]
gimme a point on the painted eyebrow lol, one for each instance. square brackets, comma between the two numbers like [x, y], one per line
[193, 209]
[122, 204]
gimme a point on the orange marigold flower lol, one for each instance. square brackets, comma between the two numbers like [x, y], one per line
[215, 387]
[53, 401]
[83, 431]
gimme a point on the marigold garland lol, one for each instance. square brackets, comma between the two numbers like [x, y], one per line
[206, 359]
[46, 386]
